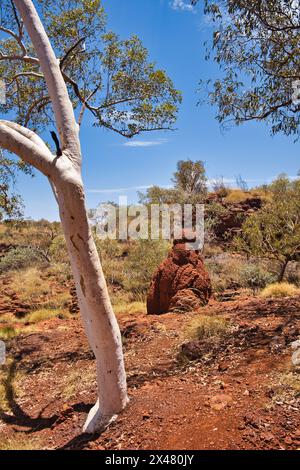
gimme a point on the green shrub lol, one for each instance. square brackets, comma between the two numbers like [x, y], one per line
[58, 250]
[225, 273]
[254, 277]
[111, 254]
[292, 277]
[60, 272]
[19, 258]
[141, 263]
[109, 248]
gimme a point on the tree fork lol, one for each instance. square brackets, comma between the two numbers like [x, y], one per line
[64, 175]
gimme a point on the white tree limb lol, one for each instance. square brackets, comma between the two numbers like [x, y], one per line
[16, 37]
[24, 58]
[27, 145]
[64, 174]
[62, 106]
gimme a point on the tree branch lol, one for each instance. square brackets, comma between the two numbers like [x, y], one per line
[25, 74]
[69, 52]
[26, 145]
[40, 103]
[62, 106]
[24, 58]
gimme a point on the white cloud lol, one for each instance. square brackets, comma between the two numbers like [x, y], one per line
[117, 190]
[181, 5]
[144, 143]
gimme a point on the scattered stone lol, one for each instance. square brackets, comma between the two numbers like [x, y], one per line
[288, 440]
[267, 436]
[220, 401]
[146, 416]
[277, 344]
[252, 420]
[230, 223]
[296, 344]
[192, 350]
[296, 358]
[73, 304]
[223, 366]
[296, 354]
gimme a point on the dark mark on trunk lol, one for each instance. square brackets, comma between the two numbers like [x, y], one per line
[82, 285]
[76, 247]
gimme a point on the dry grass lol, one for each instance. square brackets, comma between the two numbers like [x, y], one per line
[8, 332]
[20, 441]
[11, 327]
[292, 381]
[11, 381]
[225, 273]
[29, 286]
[286, 386]
[237, 195]
[33, 289]
[45, 314]
[78, 381]
[261, 193]
[202, 327]
[280, 289]
[123, 306]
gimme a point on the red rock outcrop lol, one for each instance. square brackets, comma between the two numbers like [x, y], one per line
[181, 283]
[235, 214]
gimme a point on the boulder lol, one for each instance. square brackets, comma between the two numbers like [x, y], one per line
[181, 283]
[231, 221]
[296, 354]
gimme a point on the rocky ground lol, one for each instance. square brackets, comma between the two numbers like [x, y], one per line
[239, 392]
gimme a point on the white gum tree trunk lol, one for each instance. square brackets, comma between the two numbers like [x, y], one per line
[64, 174]
[95, 306]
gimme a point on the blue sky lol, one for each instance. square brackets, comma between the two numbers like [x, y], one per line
[174, 34]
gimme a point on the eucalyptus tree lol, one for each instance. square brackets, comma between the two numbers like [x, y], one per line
[256, 45]
[273, 232]
[190, 180]
[58, 62]
[189, 186]
[11, 204]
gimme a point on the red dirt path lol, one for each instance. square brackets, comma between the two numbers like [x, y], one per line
[231, 398]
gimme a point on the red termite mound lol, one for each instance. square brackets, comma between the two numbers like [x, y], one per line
[181, 283]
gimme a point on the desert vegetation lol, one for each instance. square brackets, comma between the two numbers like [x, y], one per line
[140, 341]
[38, 292]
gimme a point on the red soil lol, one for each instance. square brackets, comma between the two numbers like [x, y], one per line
[228, 399]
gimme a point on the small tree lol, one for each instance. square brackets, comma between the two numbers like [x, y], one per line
[158, 195]
[273, 232]
[11, 204]
[82, 68]
[38, 236]
[254, 277]
[190, 180]
[256, 45]
[189, 186]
